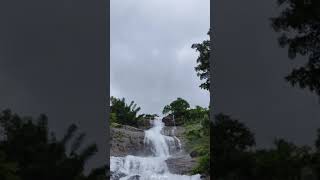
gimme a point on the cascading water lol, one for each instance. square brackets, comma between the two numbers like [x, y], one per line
[151, 167]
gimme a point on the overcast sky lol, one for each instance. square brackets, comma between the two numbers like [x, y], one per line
[152, 61]
[52, 61]
[249, 75]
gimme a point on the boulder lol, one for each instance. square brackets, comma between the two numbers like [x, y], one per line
[127, 140]
[117, 176]
[135, 177]
[144, 124]
[204, 177]
[194, 154]
[181, 164]
[170, 121]
[176, 131]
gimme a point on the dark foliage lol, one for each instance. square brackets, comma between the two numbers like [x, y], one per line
[31, 153]
[236, 158]
[231, 141]
[299, 26]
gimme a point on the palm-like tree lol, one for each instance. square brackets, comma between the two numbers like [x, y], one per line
[37, 156]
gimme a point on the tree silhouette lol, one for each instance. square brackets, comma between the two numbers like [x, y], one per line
[8, 170]
[38, 155]
[230, 143]
[299, 26]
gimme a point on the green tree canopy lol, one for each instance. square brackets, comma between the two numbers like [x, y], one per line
[178, 107]
[123, 113]
[203, 62]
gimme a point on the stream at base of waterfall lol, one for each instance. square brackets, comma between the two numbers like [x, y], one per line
[150, 167]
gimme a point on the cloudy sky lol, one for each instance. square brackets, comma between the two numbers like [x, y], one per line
[52, 61]
[249, 75]
[152, 61]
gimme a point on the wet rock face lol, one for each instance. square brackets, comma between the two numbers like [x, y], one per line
[136, 177]
[181, 165]
[117, 176]
[127, 140]
[144, 124]
[175, 131]
[170, 121]
[205, 177]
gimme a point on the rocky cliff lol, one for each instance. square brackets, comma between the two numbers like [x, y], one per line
[129, 140]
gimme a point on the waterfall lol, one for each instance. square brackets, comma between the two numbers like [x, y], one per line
[151, 167]
[174, 133]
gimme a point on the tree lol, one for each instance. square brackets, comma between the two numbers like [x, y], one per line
[8, 170]
[203, 62]
[178, 107]
[123, 113]
[39, 155]
[299, 25]
[230, 143]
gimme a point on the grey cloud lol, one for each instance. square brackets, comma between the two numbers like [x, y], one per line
[152, 61]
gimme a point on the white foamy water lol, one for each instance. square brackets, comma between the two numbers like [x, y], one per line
[152, 167]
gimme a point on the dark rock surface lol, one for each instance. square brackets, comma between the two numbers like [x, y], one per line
[176, 131]
[144, 124]
[205, 177]
[136, 177]
[117, 176]
[194, 154]
[170, 121]
[181, 164]
[127, 140]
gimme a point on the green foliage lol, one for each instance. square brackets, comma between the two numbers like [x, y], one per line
[197, 132]
[122, 113]
[299, 26]
[198, 113]
[115, 125]
[31, 154]
[199, 142]
[203, 166]
[178, 107]
[203, 66]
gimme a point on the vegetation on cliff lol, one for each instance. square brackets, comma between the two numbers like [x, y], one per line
[127, 114]
[197, 131]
